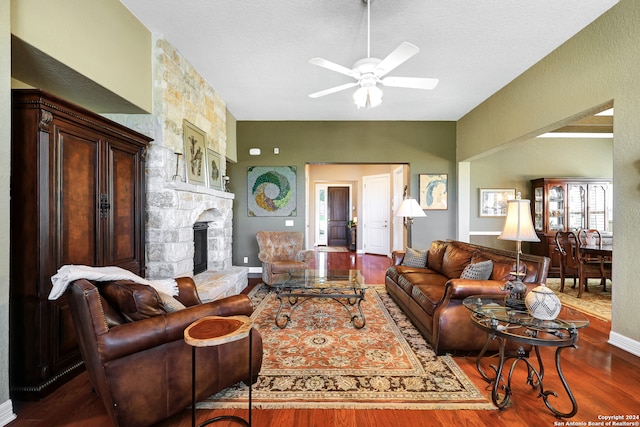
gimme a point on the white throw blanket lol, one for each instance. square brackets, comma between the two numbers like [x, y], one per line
[68, 273]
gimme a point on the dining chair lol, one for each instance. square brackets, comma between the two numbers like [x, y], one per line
[573, 264]
[592, 236]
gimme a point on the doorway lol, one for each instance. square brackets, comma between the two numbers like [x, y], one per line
[339, 214]
[318, 179]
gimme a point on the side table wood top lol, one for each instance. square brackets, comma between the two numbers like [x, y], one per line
[216, 330]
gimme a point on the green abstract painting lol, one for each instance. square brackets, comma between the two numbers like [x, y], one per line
[271, 190]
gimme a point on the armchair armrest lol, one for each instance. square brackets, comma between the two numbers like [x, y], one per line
[188, 293]
[141, 335]
[305, 256]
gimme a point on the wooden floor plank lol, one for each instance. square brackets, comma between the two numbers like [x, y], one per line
[605, 381]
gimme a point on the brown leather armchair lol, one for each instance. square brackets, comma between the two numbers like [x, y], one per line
[135, 354]
[281, 252]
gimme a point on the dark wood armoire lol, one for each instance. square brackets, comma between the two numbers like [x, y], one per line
[77, 197]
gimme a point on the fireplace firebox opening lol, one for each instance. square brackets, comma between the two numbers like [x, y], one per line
[200, 254]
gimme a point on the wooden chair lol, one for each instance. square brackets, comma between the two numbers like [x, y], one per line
[594, 237]
[573, 264]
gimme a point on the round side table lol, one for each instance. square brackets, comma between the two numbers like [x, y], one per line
[212, 331]
[491, 315]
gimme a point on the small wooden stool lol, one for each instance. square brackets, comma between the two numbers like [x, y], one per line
[212, 331]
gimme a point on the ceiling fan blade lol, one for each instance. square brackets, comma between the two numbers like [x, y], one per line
[333, 90]
[410, 82]
[320, 62]
[403, 52]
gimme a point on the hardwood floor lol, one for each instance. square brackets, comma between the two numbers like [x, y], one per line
[605, 381]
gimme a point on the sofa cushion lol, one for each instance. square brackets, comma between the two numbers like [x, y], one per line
[478, 271]
[428, 296]
[455, 260]
[415, 258]
[502, 270]
[286, 266]
[133, 301]
[436, 253]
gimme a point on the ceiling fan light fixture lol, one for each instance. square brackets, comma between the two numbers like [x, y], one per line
[367, 96]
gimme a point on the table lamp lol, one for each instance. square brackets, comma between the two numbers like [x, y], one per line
[409, 209]
[518, 227]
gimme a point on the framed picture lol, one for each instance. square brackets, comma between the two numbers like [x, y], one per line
[271, 191]
[433, 191]
[194, 153]
[214, 170]
[493, 201]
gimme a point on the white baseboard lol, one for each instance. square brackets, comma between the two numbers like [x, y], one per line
[625, 343]
[6, 413]
[255, 270]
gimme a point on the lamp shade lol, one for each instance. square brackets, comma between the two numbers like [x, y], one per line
[409, 208]
[518, 225]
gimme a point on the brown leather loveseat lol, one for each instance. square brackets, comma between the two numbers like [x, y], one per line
[432, 295]
[132, 344]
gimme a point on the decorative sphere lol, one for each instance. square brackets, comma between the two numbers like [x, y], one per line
[543, 303]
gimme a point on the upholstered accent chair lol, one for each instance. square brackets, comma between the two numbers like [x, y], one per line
[280, 253]
[132, 344]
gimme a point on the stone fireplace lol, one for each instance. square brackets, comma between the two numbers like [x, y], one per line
[174, 205]
[172, 211]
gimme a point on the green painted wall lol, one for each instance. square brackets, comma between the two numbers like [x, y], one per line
[596, 66]
[428, 147]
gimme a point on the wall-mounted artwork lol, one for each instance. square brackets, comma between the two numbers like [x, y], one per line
[214, 169]
[271, 191]
[493, 201]
[194, 153]
[433, 191]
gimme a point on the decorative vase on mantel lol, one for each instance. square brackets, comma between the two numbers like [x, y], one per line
[543, 303]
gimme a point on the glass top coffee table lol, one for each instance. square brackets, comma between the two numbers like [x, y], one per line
[343, 286]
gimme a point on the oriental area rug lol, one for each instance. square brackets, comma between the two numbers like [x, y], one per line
[321, 361]
[595, 302]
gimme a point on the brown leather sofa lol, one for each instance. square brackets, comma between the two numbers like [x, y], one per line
[133, 348]
[432, 296]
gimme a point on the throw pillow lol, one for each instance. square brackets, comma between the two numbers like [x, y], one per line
[134, 301]
[478, 271]
[415, 258]
[170, 303]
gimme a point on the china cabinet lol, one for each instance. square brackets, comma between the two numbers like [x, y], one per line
[77, 197]
[569, 204]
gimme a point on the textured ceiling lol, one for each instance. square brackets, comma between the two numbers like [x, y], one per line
[256, 53]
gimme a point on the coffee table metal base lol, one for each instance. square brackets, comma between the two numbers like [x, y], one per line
[296, 297]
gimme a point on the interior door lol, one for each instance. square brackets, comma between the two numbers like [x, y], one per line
[339, 215]
[376, 208]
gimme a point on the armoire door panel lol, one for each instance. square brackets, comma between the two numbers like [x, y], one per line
[125, 199]
[65, 346]
[78, 194]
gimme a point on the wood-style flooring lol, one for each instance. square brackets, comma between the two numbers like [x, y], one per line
[605, 381]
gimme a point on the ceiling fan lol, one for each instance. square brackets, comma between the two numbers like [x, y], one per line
[369, 71]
